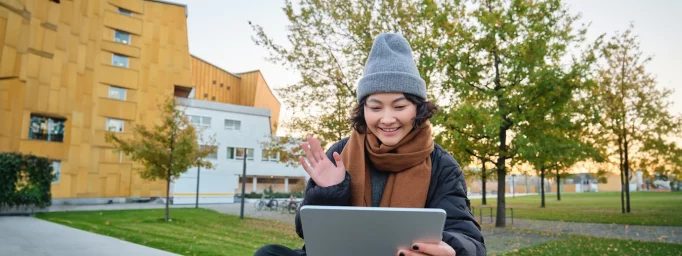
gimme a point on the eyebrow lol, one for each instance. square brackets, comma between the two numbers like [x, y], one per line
[377, 101]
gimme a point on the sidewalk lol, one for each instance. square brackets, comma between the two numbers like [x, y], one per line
[667, 234]
[32, 236]
[105, 207]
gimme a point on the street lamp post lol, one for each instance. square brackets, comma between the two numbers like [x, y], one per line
[513, 186]
[241, 213]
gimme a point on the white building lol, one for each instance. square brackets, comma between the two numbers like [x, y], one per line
[235, 127]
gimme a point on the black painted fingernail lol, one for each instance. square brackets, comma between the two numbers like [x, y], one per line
[415, 247]
[402, 254]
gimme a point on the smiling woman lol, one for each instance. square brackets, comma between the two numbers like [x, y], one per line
[390, 159]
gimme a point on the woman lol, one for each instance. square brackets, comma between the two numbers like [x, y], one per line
[390, 160]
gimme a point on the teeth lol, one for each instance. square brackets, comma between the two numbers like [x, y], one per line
[389, 130]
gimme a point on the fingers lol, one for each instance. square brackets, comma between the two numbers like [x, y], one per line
[433, 249]
[406, 252]
[305, 166]
[316, 148]
[309, 155]
[339, 161]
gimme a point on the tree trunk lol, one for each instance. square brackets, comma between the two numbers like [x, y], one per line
[504, 126]
[558, 186]
[542, 187]
[620, 166]
[168, 178]
[168, 193]
[483, 181]
[196, 203]
[501, 173]
[627, 174]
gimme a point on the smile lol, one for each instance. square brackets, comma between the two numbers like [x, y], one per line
[389, 129]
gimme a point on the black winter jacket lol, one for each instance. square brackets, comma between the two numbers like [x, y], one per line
[447, 191]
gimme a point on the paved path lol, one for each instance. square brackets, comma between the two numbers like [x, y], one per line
[105, 207]
[251, 211]
[666, 234]
[32, 236]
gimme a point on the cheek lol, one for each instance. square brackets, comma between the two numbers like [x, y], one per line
[371, 118]
[407, 116]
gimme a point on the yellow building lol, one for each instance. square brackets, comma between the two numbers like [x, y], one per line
[246, 89]
[72, 69]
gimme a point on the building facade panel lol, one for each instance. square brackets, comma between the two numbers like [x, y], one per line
[57, 63]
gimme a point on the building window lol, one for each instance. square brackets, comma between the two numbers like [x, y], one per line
[57, 171]
[205, 95]
[274, 157]
[119, 60]
[114, 125]
[125, 12]
[270, 156]
[213, 98]
[46, 128]
[234, 125]
[265, 155]
[221, 85]
[230, 153]
[213, 155]
[240, 154]
[200, 121]
[117, 93]
[121, 37]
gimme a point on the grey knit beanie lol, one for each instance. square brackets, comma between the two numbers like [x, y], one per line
[391, 68]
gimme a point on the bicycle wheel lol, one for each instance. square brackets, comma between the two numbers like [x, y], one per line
[260, 205]
[283, 206]
[293, 208]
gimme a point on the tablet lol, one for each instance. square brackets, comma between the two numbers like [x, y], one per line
[344, 230]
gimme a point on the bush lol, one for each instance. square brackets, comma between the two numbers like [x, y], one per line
[25, 180]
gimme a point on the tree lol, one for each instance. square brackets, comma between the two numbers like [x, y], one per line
[507, 56]
[329, 44]
[475, 140]
[556, 146]
[635, 113]
[164, 150]
[288, 147]
[557, 137]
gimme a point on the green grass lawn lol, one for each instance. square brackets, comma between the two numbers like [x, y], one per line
[192, 231]
[206, 232]
[584, 245]
[647, 208]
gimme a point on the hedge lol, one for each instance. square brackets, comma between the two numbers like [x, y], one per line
[25, 180]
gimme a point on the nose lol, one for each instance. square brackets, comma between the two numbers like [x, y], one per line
[388, 119]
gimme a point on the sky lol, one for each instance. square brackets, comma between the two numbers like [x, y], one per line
[219, 32]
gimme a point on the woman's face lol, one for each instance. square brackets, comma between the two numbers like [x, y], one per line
[389, 116]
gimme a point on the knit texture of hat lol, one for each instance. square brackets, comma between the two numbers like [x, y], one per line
[391, 68]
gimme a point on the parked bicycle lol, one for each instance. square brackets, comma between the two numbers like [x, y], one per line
[270, 204]
[294, 207]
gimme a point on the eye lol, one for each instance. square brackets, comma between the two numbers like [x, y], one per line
[400, 107]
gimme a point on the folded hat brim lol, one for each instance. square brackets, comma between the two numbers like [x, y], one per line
[391, 81]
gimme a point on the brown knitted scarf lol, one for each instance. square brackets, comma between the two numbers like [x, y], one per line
[409, 164]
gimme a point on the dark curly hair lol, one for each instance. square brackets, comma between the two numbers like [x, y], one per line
[425, 110]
